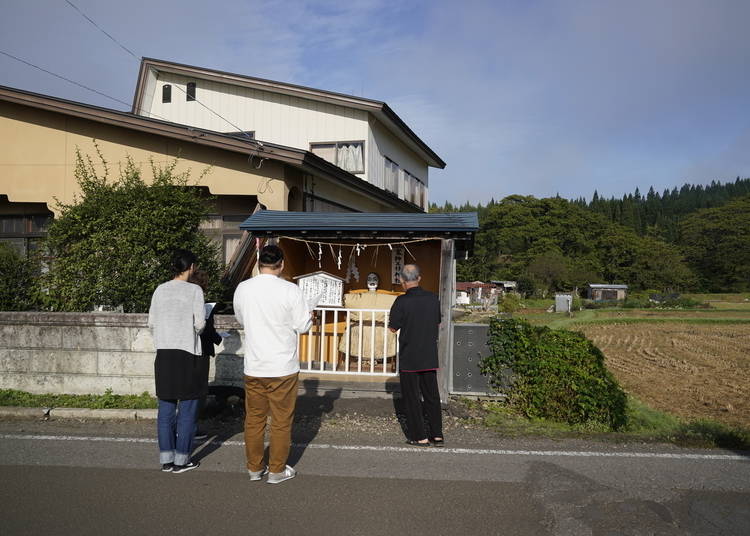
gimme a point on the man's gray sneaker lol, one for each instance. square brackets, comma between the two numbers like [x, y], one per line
[257, 475]
[286, 474]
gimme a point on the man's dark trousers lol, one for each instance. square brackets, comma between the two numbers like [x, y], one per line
[412, 385]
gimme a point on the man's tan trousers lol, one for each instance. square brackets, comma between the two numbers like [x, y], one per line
[277, 397]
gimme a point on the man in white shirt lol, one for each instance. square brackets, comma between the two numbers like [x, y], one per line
[272, 311]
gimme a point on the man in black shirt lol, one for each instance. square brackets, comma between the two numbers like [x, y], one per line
[417, 315]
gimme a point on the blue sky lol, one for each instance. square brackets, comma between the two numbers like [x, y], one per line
[518, 97]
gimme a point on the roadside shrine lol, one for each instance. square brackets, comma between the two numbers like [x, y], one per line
[331, 256]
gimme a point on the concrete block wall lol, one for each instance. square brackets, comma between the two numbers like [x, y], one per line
[88, 353]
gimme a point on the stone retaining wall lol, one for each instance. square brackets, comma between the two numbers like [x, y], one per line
[88, 353]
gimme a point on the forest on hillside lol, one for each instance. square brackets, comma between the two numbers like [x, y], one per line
[696, 238]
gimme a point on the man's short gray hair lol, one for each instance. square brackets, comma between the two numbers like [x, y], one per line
[410, 272]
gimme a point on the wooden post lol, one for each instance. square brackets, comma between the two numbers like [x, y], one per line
[447, 284]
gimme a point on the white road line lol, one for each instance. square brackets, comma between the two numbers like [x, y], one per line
[495, 452]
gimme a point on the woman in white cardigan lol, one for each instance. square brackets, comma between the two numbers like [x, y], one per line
[177, 317]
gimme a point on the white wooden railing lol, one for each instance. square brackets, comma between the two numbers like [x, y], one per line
[345, 341]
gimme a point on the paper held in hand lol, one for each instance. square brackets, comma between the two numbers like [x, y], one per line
[313, 302]
[208, 307]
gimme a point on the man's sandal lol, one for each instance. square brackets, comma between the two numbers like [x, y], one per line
[437, 442]
[414, 443]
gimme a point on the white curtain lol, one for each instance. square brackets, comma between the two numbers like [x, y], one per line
[350, 157]
[414, 189]
[230, 244]
[391, 176]
[418, 199]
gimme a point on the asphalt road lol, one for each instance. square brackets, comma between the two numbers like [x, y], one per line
[102, 478]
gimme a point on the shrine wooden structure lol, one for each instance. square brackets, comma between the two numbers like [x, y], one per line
[333, 242]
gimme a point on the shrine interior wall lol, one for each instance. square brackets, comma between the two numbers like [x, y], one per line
[299, 261]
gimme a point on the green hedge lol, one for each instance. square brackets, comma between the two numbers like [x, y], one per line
[109, 400]
[556, 374]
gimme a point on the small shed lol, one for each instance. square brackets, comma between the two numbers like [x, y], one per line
[563, 302]
[506, 286]
[476, 291]
[606, 292]
[349, 246]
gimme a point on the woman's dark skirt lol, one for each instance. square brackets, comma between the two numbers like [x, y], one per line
[180, 375]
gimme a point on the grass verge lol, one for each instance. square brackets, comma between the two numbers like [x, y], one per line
[644, 424]
[11, 397]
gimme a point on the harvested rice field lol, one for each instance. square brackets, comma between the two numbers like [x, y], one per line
[691, 370]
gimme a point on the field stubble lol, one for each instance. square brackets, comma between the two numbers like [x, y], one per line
[695, 371]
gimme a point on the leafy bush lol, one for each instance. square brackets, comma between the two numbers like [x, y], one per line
[113, 246]
[510, 303]
[556, 374]
[19, 289]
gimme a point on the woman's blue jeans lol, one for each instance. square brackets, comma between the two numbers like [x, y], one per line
[175, 424]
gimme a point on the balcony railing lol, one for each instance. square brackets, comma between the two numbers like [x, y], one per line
[349, 341]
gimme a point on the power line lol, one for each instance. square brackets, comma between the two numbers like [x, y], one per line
[63, 78]
[126, 49]
[118, 100]
[75, 83]
[219, 116]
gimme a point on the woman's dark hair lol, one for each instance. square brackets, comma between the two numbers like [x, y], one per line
[181, 261]
[271, 256]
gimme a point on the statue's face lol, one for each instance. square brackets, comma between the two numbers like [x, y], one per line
[372, 281]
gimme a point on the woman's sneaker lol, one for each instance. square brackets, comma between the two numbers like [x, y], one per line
[286, 474]
[167, 467]
[187, 467]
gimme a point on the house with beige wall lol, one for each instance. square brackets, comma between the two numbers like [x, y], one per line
[362, 136]
[39, 137]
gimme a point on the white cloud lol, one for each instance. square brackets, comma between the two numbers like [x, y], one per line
[517, 97]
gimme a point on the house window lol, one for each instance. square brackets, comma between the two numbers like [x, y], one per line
[348, 155]
[421, 198]
[230, 244]
[412, 189]
[391, 175]
[191, 91]
[24, 232]
[223, 231]
[406, 185]
[166, 93]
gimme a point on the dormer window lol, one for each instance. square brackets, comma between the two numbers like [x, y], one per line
[348, 155]
[191, 91]
[166, 93]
